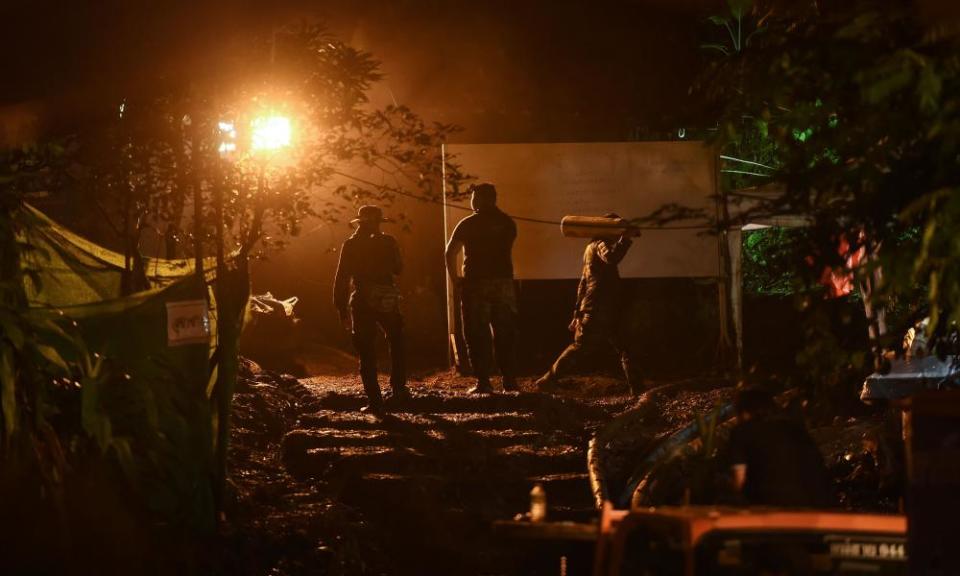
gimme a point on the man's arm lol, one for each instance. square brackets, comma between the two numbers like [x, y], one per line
[613, 253]
[454, 246]
[736, 457]
[341, 282]
[397, 258]
[738, 474]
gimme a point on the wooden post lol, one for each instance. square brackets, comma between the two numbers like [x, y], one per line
[196, 183]
[453, 356]
[725, 344]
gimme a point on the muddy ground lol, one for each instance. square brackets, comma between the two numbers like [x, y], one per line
[320, 488]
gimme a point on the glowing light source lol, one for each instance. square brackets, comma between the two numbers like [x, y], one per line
[270, 133]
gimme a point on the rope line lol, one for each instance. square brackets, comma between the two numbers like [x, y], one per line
[747, 162]
[530, 219]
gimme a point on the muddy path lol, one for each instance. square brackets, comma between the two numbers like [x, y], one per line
[321, 488]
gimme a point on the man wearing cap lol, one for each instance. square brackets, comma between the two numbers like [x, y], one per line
[488, 299]
[596, 319]
[366, 297]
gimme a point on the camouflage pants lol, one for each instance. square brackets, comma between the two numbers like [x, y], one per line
[595, 335]
[490, 304]
[369, 312]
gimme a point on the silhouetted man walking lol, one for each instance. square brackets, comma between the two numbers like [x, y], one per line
[596, 323]
[366, 297]
[486, 287]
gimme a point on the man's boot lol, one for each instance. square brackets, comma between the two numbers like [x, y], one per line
[374, 397]
[482, 387]
[545, 382]
[401, 396]
[373, 408]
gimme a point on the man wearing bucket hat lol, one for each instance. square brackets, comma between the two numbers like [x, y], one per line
[366, 296]
[488, 299]
[596, 320]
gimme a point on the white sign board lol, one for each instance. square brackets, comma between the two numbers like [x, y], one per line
[549, 181]
[188, 322]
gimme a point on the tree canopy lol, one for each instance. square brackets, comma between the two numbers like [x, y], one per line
[176, 155]
[855, 109]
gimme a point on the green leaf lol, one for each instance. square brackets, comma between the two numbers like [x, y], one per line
[892, 76]
[719, 20]
[92, 418]
[862, 27]
[762, 128]
[51, 355]
[739, 7]
[121, 447]
[928, 89]
[11, 330]
[718, 47]
[8, 396]
[48, 326]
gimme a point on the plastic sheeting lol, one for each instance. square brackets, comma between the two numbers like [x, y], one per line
[72, 270]
[160, 398]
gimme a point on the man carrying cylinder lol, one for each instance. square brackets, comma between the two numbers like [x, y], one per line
[596, 320]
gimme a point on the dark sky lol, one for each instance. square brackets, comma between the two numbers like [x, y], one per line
[505, 70]
[533, 70]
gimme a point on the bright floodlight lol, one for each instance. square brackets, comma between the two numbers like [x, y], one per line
[270, 132]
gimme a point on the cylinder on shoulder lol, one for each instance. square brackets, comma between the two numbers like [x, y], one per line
[595, 227]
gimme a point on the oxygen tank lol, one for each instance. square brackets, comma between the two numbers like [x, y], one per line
[595, 227]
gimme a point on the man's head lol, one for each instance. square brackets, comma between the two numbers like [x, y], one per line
[483, 196]
[754, 403]
[369, 218]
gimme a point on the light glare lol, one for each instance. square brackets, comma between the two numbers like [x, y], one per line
[228, 138]
[270, 133]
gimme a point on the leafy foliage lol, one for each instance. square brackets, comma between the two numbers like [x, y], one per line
[60, 425]
[155, 159]
[859, 104]
[771, 261]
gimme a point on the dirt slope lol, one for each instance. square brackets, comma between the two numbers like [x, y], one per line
[325, 489]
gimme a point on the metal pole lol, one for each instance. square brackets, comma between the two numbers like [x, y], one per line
[451, 321]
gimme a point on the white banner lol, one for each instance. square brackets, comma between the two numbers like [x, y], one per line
[550, 181]
[188, 322]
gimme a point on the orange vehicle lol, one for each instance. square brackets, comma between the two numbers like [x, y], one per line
[701, 541]
[733, 541]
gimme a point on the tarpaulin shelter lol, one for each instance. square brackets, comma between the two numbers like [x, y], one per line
[162, 344]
